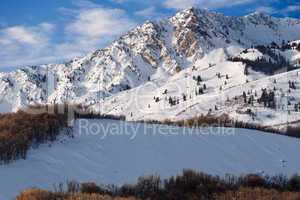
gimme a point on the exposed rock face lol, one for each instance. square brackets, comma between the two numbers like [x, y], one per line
[185, 34]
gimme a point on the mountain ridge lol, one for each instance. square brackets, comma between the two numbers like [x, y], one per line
[155, 52]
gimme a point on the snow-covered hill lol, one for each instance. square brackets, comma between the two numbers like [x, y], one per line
[231, 54]
[221, 96]
[129, 150]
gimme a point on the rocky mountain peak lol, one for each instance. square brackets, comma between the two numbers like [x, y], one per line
[153, 49]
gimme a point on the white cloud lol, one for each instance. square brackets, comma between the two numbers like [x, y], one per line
[91, 27]
[143, 3]
[146, 12]
[22, 45]
[97, 22]
[87, 27]
[181, 4]
[291, 8]
[284, 11]
[149, 12]
[266, 9]
[20, 34]
[26, 35]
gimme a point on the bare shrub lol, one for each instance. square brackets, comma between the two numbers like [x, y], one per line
[187, 185]
[22, 130]
[257, 194]
[36, 194]
[225, 121]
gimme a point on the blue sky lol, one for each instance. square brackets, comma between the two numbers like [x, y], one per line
[48, 31]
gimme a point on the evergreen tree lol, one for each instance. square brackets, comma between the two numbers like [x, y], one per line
[184, 97]
[244, 95]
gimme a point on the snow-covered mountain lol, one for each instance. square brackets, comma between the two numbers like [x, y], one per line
[159, 63]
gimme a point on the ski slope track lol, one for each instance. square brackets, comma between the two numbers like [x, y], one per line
[122, 157]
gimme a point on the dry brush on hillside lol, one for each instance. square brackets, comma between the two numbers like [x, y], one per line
[25, 129]
[188, 185]
[38, 124]
[224, 120]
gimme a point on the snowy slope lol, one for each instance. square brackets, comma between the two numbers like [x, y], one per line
[139, 103]
[160, 55]
[138, 149]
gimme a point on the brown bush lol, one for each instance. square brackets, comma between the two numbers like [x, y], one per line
[225, 121]
[294, 183]
[257, 194]
[21, 130]
[37, 194]
[293, 131]
[188, 185]
[253, 180]
[94, 196]
[35, 125]
[91, 188]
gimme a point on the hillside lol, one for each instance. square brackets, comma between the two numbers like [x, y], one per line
[231, 55]
[130, 150]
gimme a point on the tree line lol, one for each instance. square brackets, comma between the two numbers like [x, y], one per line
[225, 121]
